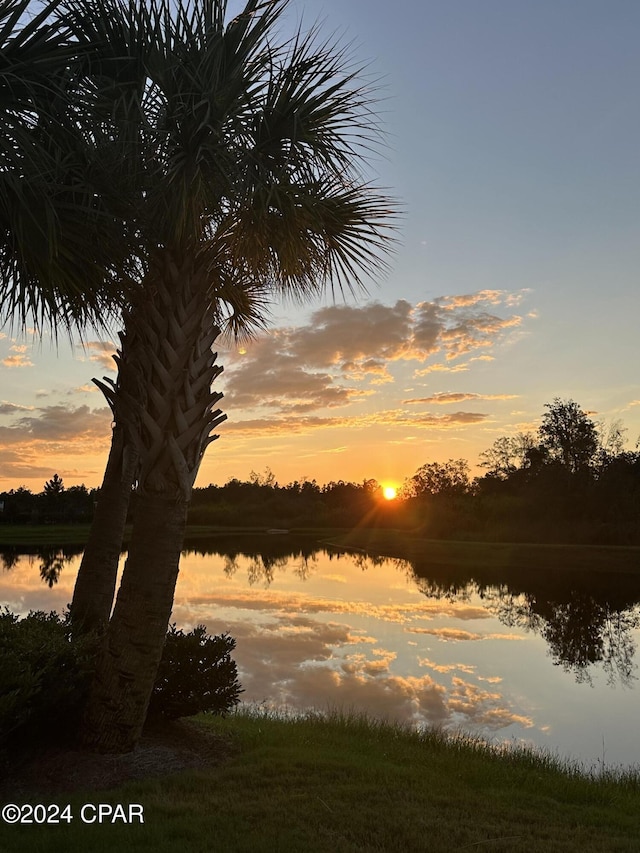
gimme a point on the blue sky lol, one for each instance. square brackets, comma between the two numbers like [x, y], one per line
[513, 146]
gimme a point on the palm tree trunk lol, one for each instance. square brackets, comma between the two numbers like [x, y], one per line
[170, 424]
[129, 660]
[96, 581]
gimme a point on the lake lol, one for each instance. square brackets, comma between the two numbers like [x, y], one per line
[547, 659]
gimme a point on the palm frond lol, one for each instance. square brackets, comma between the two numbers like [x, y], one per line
[175, 129]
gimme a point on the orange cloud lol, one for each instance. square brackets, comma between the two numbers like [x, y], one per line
[20, 359]
[389, 418]
[446, 398]
[101, 352]
[457, 634]
[47, 431]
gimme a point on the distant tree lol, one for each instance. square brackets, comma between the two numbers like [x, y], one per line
[611, 441]
[53, 487]
[20, 505]
[568, 435]
[267, 479]
[449, 478]
[78, 503]
[303, 488]
[508, 454]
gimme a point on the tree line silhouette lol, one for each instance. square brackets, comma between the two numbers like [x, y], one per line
[572, 480]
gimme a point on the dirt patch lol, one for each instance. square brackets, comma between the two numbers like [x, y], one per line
[163, 749]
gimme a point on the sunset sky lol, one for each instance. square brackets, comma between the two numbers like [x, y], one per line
[513, 140]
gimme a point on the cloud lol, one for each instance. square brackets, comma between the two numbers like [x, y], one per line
[22, 465]
[49, 430]
[455, 326]
[387, 418]
[444, 398]
[482, 707]
[17, 361]
[7, 408]
[442, 368]
[277, 380]
[101, 352]
[457, 634]
[58, 425]
[324, 364]
[20, 359]
[347, 335]
[360, 663]
[447, 667]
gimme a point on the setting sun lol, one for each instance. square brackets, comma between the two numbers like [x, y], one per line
[389, 493]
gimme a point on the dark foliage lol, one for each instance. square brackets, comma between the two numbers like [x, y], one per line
[44, 677]
[196, 675]
[54, 505]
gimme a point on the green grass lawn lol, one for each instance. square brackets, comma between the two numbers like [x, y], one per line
[77, 534]
[347, 784]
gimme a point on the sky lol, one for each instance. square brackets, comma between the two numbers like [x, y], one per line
[512, 135]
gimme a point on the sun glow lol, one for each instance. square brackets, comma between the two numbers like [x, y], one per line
[389, 493]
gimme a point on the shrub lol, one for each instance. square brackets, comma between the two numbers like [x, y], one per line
[196, 675]
[43, 676]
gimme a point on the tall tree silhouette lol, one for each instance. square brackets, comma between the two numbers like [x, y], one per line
[230, 162]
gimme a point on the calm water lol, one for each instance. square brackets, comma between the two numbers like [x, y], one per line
[529, 660]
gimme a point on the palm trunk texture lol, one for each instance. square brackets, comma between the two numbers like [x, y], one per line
[96, 581]
[171, 426]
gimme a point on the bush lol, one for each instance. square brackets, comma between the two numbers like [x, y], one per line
[44, 677]
[196, 675]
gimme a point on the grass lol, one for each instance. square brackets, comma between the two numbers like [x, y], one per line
[347, 783]
[77, 534]
[44, 534]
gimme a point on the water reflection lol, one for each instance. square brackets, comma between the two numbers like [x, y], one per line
[585, 619]
[51, 559]
[318, 627]
[580, 633]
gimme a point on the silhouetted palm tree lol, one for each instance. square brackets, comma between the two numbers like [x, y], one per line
[228, 160]
[58, 249]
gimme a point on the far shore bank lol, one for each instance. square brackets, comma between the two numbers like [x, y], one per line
[398, 544]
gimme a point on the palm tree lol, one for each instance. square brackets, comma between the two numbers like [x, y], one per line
[63, 260]
[229, 161]
[58, 248]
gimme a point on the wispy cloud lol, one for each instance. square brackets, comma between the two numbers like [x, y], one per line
[445, 398]
[7, 408]
[100, 352]
[458, 635]
[19, 357]
[389, 418]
